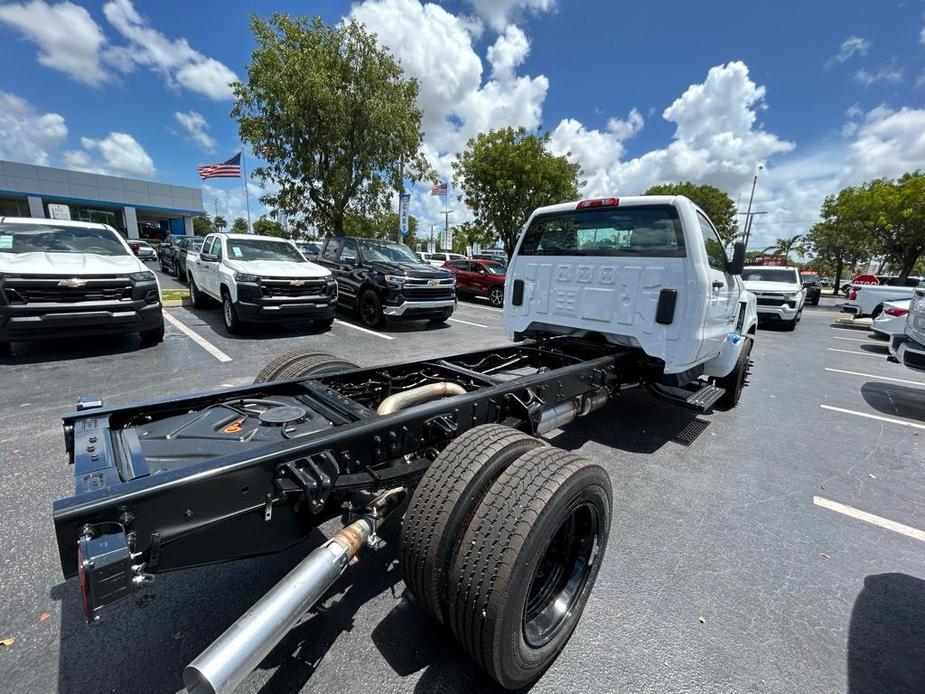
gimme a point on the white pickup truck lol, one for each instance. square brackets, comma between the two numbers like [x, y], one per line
[260, 278]
[779, 291]
[868, 299]
[647, 272]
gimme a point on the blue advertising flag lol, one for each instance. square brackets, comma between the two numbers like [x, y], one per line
[403, 205]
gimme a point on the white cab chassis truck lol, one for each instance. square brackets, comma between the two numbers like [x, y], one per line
[648, 273]
[503, 535]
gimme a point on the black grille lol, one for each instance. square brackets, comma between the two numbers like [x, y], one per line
[421, 289]
[285, 288]
[35, 293]
[767, 301]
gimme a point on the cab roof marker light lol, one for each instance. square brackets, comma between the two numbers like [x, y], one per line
[598, 202]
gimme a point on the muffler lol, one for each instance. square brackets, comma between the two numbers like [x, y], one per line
[566, 412]
[233, 655]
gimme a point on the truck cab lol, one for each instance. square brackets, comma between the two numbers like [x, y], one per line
[649, 273]
[384, 280]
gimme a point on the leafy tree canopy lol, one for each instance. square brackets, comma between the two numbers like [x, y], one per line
[239, 226]
[202, 226]
[505, 174]
[716, 203]
[333, 116]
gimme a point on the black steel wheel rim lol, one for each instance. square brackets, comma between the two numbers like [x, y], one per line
[368, 309]
[561, 575]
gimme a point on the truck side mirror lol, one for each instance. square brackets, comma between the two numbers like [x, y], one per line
[738, 258]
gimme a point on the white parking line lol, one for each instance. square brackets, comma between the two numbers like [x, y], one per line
[472, 304]
[890, 420]
[906, 530]
[363, 330]
[854, 351]
[465, 322]
[196, 337]
[881, 378]
[852, 339]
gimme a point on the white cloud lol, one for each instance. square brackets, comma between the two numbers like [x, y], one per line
[67, 37]
[508, 51]
[498, 12]
[885, 73]
[195, 126]
[851, 46]
[716, 140]
[888, 143]
[179, 63]
[26, 135]
[436, 47]
[116, 154]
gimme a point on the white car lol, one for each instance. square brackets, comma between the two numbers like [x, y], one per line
[647, 272]
[143, 249]
[779, 291]
[908, 348]
[60, 279]
[438, 259]
[869, 299]
[892, 320]
[260, 278]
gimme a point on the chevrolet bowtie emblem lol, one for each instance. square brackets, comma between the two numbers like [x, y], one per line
[296, 283]
[72, 283]
[433, 283]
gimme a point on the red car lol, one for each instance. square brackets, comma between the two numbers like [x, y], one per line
[479, 278]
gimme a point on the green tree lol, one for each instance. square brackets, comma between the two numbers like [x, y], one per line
[382, 226]
[717, 204]
[841, 239]
[505, 174]
[469, 234]
[202, 225]
[786, 246]
[269, 227]
[220, 223]
[239, 226]
[895, 213]
[333, 116]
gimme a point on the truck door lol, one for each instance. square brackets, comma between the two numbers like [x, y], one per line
[722, 301]
[203, 266]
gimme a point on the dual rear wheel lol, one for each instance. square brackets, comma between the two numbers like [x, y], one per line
[502, 542]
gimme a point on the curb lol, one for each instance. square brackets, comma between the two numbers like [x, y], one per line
[176, 302]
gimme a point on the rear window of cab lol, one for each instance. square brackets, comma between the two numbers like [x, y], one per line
[638, 230]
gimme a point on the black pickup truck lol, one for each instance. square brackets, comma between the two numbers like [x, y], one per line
[385, 280]
[172, 252]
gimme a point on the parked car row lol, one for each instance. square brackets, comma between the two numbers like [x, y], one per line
[908, 347]
[869, 299]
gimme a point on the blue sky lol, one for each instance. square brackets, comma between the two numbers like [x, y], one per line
[822, 94]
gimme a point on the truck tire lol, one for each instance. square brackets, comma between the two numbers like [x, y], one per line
[325, 323]
[527, 563]
[152, 337]
[496, 296]
[301, 363]
[791, 325]
[6, 349]
[734, 382]
[196, 297]
[230, 314]
[444, 502]
[370, 309]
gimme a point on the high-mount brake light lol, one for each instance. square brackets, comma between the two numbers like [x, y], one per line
[599, 202]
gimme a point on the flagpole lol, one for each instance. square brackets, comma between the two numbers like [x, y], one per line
[247, 197]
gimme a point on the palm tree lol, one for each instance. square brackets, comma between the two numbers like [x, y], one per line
[220, 223]
[785, 247]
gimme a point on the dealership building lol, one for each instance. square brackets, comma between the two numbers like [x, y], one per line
[136, 208]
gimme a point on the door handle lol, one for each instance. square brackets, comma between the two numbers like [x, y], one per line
[718, 285]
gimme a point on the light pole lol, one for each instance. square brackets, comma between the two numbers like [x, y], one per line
[748, 214]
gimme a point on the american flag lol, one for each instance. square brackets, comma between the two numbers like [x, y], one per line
[226, 169]
[438, 188]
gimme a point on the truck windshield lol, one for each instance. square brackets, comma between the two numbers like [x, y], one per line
[263, 249]
[49, 238]
[638, 230]
[387, 251]
[768, 274]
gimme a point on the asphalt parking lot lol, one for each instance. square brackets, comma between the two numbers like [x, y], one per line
[743, 562]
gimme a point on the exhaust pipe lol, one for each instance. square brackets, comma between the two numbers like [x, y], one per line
[233, 655]
[416, 396]
[564, 413]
